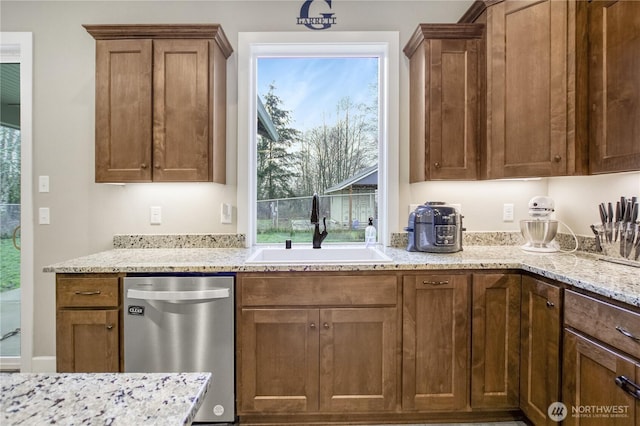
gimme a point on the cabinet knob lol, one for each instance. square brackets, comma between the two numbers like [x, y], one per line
[157, 165]
[325, 325]
[557, 158]
[109, 326]
[437, 165]
[312, 326]
[143, 166]
[550, 304]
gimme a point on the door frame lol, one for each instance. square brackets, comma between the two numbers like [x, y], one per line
[17, 47]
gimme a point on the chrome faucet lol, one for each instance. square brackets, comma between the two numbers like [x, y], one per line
[318, 236]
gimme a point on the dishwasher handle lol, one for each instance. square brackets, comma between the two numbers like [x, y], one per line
[178, 295]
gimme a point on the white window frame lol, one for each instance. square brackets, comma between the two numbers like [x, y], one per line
[381, 44]
[17, 47]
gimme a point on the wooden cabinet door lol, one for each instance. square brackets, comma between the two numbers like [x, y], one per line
[527, 89]
[589, 384]
[279, 360]
[358, 359]
[123, 110]
[181, 139]
[435, 328]
[87, 341]
[540, 349]
[444, 101]
[614, 85]
[495, 341]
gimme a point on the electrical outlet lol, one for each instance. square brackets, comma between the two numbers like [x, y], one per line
[155, 215]
[507, 212]
[43, 216]
[43, 183]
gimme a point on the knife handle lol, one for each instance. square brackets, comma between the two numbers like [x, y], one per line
[634, 213]
[603, 213]
[627, 212]
[610, 212]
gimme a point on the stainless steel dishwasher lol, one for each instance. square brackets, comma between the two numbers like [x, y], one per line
[184, 323]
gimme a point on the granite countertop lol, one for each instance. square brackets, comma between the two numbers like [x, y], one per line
[101, 398]
[578, 269]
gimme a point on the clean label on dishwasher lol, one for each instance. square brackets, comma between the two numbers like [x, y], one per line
[135, 310]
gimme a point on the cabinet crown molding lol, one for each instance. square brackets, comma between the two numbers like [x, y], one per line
[162, 31]
[476, 9]
[441, 32]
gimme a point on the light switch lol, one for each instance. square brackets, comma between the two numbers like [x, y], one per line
[43, 216]
[43, 184]
[155, 215]
[507, 212]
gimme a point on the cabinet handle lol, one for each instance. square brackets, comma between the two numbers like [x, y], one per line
[628, 386]
[435, 282]
[627, 334]
[437, 165]
[88, 293]
[326, 325]
[109, 326]
[550, 304]
[143, 166]
[312, 325]
[557, 158]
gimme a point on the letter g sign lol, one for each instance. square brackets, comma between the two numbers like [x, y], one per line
[322, 22]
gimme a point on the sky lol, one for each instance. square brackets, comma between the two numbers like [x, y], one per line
[310, 86]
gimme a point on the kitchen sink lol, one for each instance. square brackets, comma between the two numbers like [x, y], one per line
[308, 255]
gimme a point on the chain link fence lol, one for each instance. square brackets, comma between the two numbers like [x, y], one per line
[344, 212]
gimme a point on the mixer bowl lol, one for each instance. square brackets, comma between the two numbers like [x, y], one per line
[538, 233]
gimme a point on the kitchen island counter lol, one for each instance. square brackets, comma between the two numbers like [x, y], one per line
[102, 398]
[581, 270]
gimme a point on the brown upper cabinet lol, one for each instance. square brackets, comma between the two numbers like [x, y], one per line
[533, 124]
[556, 91]
[614, 85]
[160, 103]
[444, 96]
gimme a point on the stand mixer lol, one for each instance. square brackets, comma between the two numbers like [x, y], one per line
[540, 231]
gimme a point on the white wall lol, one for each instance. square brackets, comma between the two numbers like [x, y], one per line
[85, 215]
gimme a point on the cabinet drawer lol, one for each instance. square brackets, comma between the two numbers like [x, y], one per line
[318, 290]
[610, 324]
[87, 292]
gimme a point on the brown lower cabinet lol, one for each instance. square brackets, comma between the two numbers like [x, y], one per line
[435, 341]
[88, 311]
[317, 342]
[397, 346]
[591, 394]
[495, 341]
[540, 340]
[601, 380]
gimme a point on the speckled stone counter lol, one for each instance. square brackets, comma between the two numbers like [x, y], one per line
[101, 398]
[581, 270]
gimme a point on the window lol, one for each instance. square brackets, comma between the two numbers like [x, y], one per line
[317, 133]
[257, 208]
